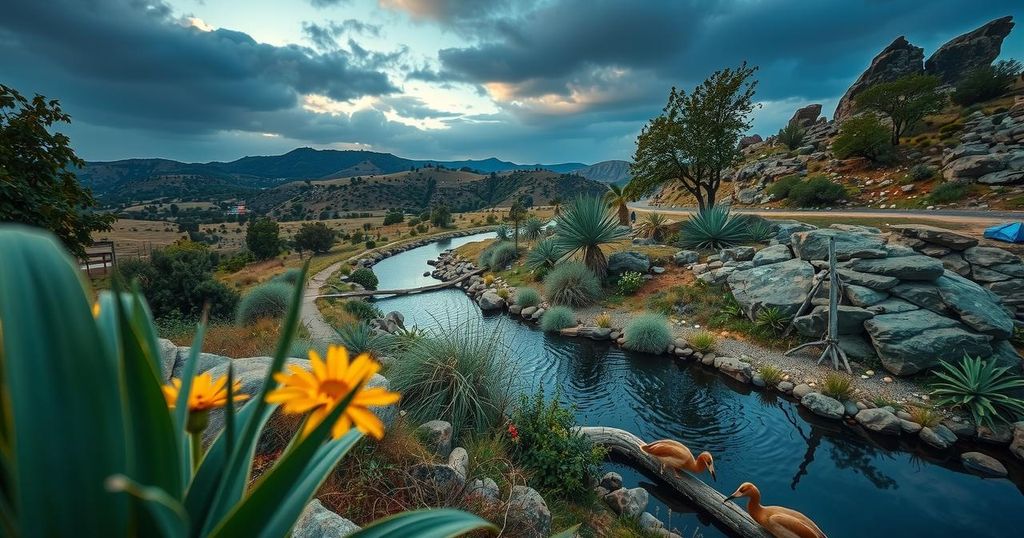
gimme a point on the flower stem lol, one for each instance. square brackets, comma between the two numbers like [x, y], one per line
[197, 450]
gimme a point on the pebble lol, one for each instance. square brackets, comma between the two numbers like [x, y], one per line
[887, 379]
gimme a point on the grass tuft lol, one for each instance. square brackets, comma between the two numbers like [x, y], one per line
[648, 333]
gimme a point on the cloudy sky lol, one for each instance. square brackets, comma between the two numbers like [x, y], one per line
[524, 80]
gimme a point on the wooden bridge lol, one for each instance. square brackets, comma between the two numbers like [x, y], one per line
[407, 291]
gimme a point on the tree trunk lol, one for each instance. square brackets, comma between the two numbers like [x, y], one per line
[594, 259]
[623, 214]
[727, 514]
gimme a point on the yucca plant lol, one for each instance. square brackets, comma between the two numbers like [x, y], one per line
[714, 228]
[532, 228]
[617, 199]
[983, 388]
[758, 230]
[586, 225]
[771, 320]
[653, 225]
[544, 255]
[502, 233]
[96, 431]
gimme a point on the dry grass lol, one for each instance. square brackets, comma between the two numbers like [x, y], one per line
[838, 386]
[259, 339]
[335, 313]
[925, 416]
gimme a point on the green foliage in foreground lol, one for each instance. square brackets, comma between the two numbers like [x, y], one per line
[266, 301]
[572, 284]
[647, 333]
[557, 318]
[462, 375]
[560, 461]
[714, 228]
[133, 472]
[987, 391]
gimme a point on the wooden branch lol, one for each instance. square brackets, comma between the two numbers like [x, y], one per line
[707, 499]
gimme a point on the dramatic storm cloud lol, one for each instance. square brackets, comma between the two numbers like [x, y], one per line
[528, 80]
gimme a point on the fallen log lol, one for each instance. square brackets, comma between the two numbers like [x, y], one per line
[626, 446]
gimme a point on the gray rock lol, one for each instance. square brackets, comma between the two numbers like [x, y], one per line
[717, 276]
[897, 60]
[938, 437]
[630, 260]
[319, 522]
[851, 320]
[983, 464]
[784, 229]
[772, 254]
[594, 333]
[1006, 355]
[650, 523]
[1017, 444]
[972, 167]
[909, 342]
[867, 280]
[909, 426]
[685, 257]
[1001, 434]
[528, 311]
[628, 502]
[490, 301]
[459, 460]
[1002, 177]
[989, 256]
[483, 491]
[903, 268]
[857, 347]
[956, 263]
[436, 435]
[738, 254]
[977, 48]
[936, 235]
[734, 368]
[528, 513]
[515, 309]
[879, 421]
[787, 386]
[975, 306]
[782, 285]
[892, 306]
[864, 297]
[437, 479]
[850, 408]
[813, 245]
[960, 429]
[923, 294]
[168, 358]
[205, 362]
[611, 481]
[823, 406]
[801, 390]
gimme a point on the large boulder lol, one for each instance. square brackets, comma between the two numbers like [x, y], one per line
[903, 268]
[630, 260]
[629, 502]
[319, 522]
[975, 306]
[850, 320]
[867, 280]
[823, 406]
[784, 229]
[864, 297]
[973, 167]
[977, 48]
[990, 256]
[528, 514]
[936, 235]
[436, 435]
[983, 464]
[736, 254]
[772, 254]
[897, 60]
[813, 245]
[781, 285]
[686, 257]
[806, 116]
[910, 342]
[490, 300]
[879, 420]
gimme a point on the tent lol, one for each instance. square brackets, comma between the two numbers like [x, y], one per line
[1011, 232]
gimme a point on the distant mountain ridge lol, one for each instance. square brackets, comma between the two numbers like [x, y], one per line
[613, 171]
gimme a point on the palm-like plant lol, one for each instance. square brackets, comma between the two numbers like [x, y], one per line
[532, 228]
[585, 226]
[713, 228]
[502, 233]
[618, 199]
[984, 388]
[545, 255]
[653, 225]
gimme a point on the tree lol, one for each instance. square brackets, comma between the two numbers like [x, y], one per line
[986, 82]
[441, 216]
[792, 135]
[315, 237]
[905, 101]
[863, 136]
[697, 136]
[393, 217]
[38, 185]
[263, 239]
[516, 214]
[618, 199]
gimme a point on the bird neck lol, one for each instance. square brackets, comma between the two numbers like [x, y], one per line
[697, 466]
[754, 507]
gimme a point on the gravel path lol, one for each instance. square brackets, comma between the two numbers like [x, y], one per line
[312, 319]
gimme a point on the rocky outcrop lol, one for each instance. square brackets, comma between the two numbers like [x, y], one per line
[622, 262]
[990, 149]
[528, 513]
[781, 285]
[806, 116]
[897, 60]
[319, 522]
[976, 48]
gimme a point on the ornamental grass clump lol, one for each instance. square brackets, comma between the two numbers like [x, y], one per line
[702, 341]
[526, 297]
[138, 467]
[987, 391]
[771, 375]
[266, 301]
[572, 284]
[502, 255]
[603, 320]
[359, 338]
[557, 318]
[838, 386]
[648, 333]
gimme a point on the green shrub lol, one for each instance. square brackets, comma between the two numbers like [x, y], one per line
[771, 375]
[864, 136]
[714, 228]
[362, 310]
[560, 461]
[792, 136]
[394, 217]
[462, 375]
[315, 237]
[781, 187]
[947, 193]
[702, 341]
[648, 333]
[533, 228]
[360, 338]
[502, 255]
[759, 230]
[557, 318]
[265, 301]
[989, 392]
[370, 244]
[838, 386]
[364, 277]
[231, 264]
[526, 297]
[262, 238]
[630, 282]
[572, 284]
[178, 280]
[920, 172]
[986, 82]
[816, 191]
[951, 128]
[544, 255]
[502, 233]
[290, 276]
[771, 320]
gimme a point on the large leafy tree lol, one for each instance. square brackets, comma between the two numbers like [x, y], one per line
[904, 101]
[618, 199]
[586, 225]
[263, 238]
[697, 136]
[37, 179]
[315, 237]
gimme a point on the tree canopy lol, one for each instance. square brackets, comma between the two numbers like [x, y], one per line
[697, 135]
[262, 237]
[904, 101]
[315, 237]
[38, 186]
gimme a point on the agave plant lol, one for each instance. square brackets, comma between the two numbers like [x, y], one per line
[586, 225]
[985, 389]
[653, 225]
[771, 320]
[502, 233]
[618, 199]
[96, 430]
[532, 228]
[714, 228]
[359, 337]
[545, 255]
[758, 230]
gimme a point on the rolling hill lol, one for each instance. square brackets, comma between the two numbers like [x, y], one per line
[606, 172]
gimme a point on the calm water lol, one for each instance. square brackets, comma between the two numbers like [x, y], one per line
[849, 484]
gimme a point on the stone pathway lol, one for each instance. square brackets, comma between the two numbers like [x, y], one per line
[312, 319]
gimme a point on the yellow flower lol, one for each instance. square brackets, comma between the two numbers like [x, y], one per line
[207, 393]
[96, 309]
[317, 392]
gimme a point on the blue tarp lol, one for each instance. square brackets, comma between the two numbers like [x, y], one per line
[1011, 232]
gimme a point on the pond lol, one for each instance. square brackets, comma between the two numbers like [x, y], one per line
[851, 484]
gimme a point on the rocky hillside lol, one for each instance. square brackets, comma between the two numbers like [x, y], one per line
[419, 189]
[606, 172]
[973, 156]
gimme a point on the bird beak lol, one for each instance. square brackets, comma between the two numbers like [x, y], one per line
[729, 498]
[713, 476]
